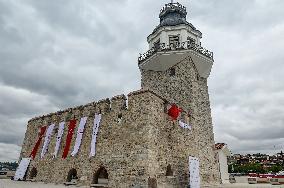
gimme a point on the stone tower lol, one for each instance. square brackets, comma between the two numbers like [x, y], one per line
[137, 145]
[177, 67]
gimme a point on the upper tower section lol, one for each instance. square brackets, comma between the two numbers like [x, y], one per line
[173, 40]
[173, 14]
[173, 23]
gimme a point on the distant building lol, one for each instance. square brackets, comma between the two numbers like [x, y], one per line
[266, 161]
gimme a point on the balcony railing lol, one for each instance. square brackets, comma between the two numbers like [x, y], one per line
[170, 6]
[162, 47]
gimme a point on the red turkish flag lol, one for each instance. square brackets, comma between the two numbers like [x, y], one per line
[71, 127]
[34, 151]
[174, 111]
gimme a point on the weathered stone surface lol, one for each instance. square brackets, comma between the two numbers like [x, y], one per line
[136, 143]
[187, 89]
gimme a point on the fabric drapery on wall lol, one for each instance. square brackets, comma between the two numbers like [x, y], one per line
[47, 140]
[184, 125]
[71, 127]
[22, 169]
[97, 122]
[174, 111]
[34, 151]
[194, 177]
[80, 132]
[58, 138]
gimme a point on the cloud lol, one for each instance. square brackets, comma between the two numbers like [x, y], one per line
[9, 152]
[58, 54]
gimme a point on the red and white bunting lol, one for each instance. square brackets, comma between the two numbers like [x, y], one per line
[40, 136]
[58, 138]
[97, 122]
[47, 140]
[184, 125]
[71, 127]
[80, 132]
[174, 111]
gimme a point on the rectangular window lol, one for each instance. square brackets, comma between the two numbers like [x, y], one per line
[172, 71]
[157, 44]
[174, 40]
[191, 40]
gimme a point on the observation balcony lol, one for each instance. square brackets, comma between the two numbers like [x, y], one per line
[187, 45]
[162, 56]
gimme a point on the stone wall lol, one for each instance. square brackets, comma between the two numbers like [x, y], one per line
[189, 91]
[124, 147]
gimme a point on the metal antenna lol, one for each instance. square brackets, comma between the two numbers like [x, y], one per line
[172, 1]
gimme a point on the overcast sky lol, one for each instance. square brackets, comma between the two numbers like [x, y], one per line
[61, 53]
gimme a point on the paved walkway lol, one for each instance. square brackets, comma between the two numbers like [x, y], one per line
[20, 184]
[246, 185]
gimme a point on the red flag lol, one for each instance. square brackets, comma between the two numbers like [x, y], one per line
[174, 111]
[71, 128]
[34, 151]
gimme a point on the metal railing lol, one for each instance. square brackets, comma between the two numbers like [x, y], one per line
[173, 6]
[162, 47]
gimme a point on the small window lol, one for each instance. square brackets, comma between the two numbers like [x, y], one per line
[169, 171]
[191, 40]
[157, 44]
[119, 117]
[173, 40]
[172, 72]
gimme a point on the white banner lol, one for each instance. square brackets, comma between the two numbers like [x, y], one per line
[80, 132]
[184, 125]
[194, 178]
[97, 122]
[47, 138]
[58, 138]
[22, 169]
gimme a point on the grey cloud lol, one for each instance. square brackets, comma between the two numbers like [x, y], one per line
[22, 102]
[60, 54]
[245, 17]
[9, 152]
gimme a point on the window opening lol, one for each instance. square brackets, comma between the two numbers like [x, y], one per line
[101, 176]
[169, 171]
[174, 41]
[172, 72]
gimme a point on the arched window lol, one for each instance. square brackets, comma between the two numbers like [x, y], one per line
[169, 171]
[33, 173]
[101, 176]
[72, 174]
